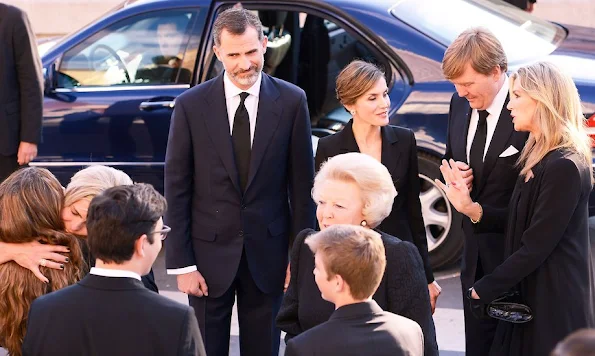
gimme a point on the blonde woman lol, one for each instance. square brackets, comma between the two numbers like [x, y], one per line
[83, 186]
[30, 204]
[356, 189]
[547, 239]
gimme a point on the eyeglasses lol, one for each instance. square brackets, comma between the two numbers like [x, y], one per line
[163, 232]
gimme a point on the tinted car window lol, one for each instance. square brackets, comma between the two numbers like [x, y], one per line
[148, 49]
[522, 34]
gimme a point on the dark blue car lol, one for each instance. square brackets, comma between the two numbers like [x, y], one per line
[111, 87]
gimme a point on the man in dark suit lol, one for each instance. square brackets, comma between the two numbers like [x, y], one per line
[349, 264]
[238, 173]
[110, 312]
[21, 91]
[482, 140]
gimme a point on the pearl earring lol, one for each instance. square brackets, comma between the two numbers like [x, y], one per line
[352, 112]
[364, 223]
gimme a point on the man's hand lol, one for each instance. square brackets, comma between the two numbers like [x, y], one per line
[466, 172]
[435, 291]
[27, 152]
[530, 6]
[193, 283]
[29, 255]
[287, 278]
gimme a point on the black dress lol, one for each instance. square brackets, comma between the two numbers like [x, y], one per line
[549, 256]
[399, 156]
[403, 290]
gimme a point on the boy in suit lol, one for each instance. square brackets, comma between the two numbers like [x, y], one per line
[110, 312]
[349, 264]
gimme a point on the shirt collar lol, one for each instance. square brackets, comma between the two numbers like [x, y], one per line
[232, 90]
[497, 104]
[104, 272]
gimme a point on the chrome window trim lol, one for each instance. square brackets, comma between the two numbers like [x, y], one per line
[78, 164]
[122, 88]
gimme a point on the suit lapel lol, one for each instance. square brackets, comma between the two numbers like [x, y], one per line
[389, 156]
[460, 143]
[267, 121]
[347, 139]
[504, 129]
[218, 126]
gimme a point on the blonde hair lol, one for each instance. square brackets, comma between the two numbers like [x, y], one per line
[372, 178]
[91, 181]
[478, 47]
[30, 206]
[355, 80]
[355, 253]
[558, 114]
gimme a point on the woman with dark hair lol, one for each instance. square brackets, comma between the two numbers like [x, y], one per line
[30, 204]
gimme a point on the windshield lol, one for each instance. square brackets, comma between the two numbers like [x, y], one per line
[523, 35]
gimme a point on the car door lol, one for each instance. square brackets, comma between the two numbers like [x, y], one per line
[112, 94]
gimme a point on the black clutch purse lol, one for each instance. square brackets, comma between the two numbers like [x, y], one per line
[508, 307]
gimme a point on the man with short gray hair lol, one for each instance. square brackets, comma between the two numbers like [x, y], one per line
[482, 142]
[238, 173]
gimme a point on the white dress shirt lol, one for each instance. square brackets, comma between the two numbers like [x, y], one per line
[104, 272]
[232, 101]
[494, 111]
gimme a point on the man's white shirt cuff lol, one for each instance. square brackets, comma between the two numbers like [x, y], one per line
[183, 270]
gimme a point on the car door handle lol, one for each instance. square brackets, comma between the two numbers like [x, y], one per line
[156, 105]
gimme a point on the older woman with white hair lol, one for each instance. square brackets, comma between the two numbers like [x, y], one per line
[547, 231]
[356, 189]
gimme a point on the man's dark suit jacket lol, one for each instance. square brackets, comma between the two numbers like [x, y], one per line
[360, 329]
[212, 220]
[110, 316]
[21, 82]
[495, 188]
[399, 156]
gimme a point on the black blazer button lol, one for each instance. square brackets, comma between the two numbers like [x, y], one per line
[241, 233]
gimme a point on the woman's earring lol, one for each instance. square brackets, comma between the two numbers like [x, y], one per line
[352, 112]
[364, 223]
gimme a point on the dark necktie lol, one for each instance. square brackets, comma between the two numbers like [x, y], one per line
[478, 147]
[241, 141]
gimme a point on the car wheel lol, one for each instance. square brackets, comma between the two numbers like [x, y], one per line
[443, 223]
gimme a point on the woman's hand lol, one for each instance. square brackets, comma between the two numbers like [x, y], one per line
[31, 255]
[455, 188]
[435, 290]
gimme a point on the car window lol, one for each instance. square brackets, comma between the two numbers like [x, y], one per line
[148, 49]
[522, 34]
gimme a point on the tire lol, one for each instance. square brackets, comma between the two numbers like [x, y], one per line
[443, 223]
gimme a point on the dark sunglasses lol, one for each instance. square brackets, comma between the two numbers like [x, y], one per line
[163, 232]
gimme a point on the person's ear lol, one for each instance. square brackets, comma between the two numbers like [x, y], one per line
[216, 50]
[339, 283]
[265, 41]
[350, 108]
[496, 73]
[139, 245]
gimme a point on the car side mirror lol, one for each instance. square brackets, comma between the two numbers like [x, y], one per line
[50, 78]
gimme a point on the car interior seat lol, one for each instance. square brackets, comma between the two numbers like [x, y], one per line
[279, 39]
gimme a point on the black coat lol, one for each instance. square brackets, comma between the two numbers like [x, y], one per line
[110, 316]
[495, 188]
[212, 220]
[549, 256]
[360, 329]
[399, 156]
[403, 290]
[21, 78]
